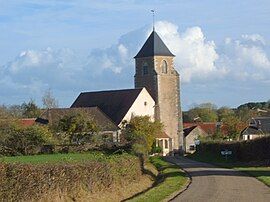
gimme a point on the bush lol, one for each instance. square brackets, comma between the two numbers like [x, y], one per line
[16, 139]
[156, 149]
[27, 182]
[252, 150]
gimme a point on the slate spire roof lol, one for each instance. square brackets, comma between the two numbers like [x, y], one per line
[114, 103]
[154, 46]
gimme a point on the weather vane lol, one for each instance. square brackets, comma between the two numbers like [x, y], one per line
[153, 12]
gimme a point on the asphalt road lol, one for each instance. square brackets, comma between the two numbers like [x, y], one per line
[210, 183]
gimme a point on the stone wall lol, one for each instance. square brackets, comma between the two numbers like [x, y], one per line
[165, 89]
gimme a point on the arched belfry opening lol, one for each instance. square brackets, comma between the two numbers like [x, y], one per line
[164, 67]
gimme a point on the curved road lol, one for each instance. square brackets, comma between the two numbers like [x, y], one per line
[210, 183]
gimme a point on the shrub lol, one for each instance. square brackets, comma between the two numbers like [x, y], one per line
[16, 139]
[25, 182]
[252, 150]
[141, 133]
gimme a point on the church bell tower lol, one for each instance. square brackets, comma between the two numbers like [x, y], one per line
[155, 71]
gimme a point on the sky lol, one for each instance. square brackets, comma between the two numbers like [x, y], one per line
[222, 47]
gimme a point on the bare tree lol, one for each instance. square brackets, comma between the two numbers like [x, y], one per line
[48, 100]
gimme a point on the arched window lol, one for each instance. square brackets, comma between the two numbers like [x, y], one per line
[145, 69]
[164, 67]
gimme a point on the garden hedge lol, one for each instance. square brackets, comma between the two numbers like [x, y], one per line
[31, 182]
[252, 150]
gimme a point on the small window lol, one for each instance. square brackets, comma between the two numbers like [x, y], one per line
[160, 143]
[145, 103]
[166, 144]
[145, 69]
[164, 67]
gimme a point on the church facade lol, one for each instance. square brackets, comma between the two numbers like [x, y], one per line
[155, 71]
[156, 94]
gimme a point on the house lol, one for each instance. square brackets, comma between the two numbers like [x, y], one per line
[258, 127]
[106, 126]
[192, 134]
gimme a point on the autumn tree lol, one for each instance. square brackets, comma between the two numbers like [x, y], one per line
[233, 126]
[141, 133]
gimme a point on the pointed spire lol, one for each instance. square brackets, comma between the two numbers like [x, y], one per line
[154, 46]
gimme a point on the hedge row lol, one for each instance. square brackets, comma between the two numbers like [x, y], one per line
[252, 150]
[25, 182]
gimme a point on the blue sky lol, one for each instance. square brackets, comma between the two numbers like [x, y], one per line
[222, 48]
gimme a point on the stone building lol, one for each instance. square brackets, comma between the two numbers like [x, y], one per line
[155, 70]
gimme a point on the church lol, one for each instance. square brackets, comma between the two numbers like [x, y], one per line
[156, 94]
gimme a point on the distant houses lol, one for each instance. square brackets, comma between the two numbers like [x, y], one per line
[257, 127]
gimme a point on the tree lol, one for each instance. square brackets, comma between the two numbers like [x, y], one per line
[48, 100]
[233, 126]
[204, 112]
[141, 133]
[23, 140]
[77, 127]
[224, 112]
[30, 109]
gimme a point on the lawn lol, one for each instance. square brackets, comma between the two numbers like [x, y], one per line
[170, 180]
[60, 158]
[262, 173]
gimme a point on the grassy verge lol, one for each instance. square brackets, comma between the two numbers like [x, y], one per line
[61, 158]
[169, 180]
[262, 173]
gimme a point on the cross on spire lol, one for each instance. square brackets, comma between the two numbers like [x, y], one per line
[153, 13]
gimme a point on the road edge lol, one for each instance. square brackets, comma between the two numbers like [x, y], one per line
[184, 188]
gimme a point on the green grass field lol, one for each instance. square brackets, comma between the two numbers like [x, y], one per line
[60, 158]
[171, 180]
[262, 173]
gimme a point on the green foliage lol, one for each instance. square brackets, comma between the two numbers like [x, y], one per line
[170, 180]
[23, 140]
[76, 128]
[245, 151]
[204, 113]
[141, 133]
[156, 149]
[30, 109]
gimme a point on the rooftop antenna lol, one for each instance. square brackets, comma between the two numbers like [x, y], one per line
[153, 13]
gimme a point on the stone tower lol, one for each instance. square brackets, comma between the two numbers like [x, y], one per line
[155, 71]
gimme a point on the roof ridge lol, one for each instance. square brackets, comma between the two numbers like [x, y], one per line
[102, 91]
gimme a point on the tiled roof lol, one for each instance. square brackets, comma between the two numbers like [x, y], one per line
[54, 115]
[162, 135]
[114, 103]
[154, 46]
[27, 122]
[208, 127]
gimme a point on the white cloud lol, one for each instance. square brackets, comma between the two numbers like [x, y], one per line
[198, 60]
[254, 38]
[195, 55]
[246, 59]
